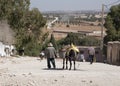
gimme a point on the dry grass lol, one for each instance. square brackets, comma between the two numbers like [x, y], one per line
[72, 28]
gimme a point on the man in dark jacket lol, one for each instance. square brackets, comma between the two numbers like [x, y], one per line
[50, 54]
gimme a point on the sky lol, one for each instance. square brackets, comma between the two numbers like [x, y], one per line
[70, 5]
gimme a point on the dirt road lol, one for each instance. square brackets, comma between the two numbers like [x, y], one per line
[31, 71]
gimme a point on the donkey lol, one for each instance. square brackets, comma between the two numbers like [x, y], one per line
[70, 55]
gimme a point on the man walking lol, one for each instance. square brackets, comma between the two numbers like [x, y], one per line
[91, 52]
[51, 54]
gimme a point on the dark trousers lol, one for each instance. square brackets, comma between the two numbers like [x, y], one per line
[52, 60]
[65, 60]
[91, 58]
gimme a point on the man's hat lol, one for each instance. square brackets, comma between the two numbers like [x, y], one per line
[50, 44]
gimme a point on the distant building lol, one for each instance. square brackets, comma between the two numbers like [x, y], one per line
[99, 15]
[83, 16]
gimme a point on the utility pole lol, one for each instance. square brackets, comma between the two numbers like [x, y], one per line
[102, 27]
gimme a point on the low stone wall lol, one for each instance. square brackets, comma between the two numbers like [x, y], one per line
[84, 51]
[113, 53]
[98, 53]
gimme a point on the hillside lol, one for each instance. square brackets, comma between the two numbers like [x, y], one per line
[60, 30]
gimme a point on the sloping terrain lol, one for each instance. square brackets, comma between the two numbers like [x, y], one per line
[31, 71]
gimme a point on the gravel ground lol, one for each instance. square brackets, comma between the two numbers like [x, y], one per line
[31, 71]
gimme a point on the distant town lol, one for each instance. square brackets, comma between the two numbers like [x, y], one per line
[74, 16]
[85, 22]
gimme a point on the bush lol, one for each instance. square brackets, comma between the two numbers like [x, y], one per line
[79, 40]
[32, 49]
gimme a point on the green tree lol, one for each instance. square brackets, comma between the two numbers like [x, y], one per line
[33, 21]
[87, 41]
[113, 24]
[78, 39]
[71, 38]
[26, 23]
[53, 41]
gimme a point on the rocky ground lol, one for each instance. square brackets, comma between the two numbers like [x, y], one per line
[31, 71]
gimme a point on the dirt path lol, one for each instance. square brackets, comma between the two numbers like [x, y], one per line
[29, 71]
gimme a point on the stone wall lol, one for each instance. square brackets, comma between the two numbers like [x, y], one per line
[113, 53]
[84, 50]
[98, 53]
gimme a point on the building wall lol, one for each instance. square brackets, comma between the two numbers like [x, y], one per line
[2, 53]
[9, 50]
[113, 53]
[109, 52]
[98, 53]
[84, 50]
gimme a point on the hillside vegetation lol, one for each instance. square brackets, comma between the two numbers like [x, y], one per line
[26, 23]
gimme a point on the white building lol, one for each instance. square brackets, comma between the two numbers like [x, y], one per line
[2, 52]
[6, 50]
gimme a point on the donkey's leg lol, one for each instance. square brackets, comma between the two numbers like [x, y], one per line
[74, 65]
[70, 60]
[66, 62]
[63, 62]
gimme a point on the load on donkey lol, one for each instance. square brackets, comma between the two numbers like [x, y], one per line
[70, 54]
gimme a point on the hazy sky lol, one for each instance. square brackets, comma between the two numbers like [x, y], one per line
[70, 5]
